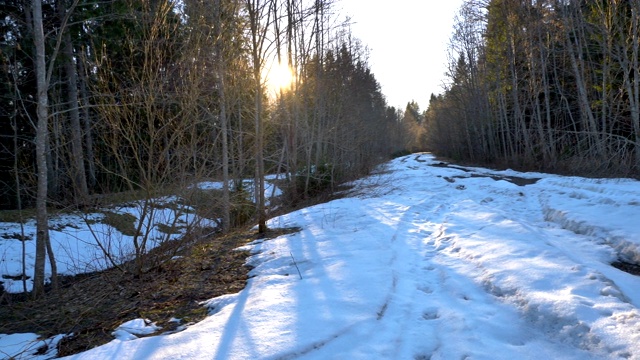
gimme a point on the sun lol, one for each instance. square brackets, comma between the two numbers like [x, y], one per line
[279, 76]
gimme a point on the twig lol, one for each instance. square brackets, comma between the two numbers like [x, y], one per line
[294, 263]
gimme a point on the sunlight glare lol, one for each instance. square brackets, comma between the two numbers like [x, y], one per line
[279, 77]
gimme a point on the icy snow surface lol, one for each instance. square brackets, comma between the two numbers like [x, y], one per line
[432, 261]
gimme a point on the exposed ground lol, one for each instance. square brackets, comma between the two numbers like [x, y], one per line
[91, 306]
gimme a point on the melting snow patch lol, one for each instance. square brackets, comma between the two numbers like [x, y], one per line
[28, 346]
[131, 329]
[216, 304]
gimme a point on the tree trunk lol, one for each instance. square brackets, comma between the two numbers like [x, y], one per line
[16, 174]
[574, 44]
[220, 67]
[86, 117]
[258, 13]
[631, 68]
[42, 229]
[78, 175]
[259, 157]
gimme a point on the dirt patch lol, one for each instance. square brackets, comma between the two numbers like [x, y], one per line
[91, 306]
[447, 165]
[520, 181]
[633, 269]
[417, 158]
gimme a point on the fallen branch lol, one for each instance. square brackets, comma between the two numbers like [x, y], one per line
[294, 263]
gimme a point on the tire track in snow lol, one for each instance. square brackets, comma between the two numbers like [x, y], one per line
[402, 307]
[454, 263]
[541, 311]
[421, 306]
[559, 206]
[316, 345]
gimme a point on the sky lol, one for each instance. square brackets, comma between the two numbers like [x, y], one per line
[423, 260]
[408, 41]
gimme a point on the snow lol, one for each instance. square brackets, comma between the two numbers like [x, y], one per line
[77, 240]
[131, 329]
[27, 346]
[270, 189]
[431, 261]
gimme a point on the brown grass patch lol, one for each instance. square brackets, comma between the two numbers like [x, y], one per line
[91, 306]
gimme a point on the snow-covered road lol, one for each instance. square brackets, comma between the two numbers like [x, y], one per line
[433, 261]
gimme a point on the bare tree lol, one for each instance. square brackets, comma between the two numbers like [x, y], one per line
[259, 21]
[42, 231]
[78, 174]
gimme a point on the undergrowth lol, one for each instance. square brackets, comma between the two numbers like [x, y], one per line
[91, 306]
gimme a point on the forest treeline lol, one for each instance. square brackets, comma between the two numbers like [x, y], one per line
[136, 92]
[549, 84]
[153, 96]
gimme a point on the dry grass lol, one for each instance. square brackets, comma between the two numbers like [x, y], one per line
[124, 223]
[91, 306]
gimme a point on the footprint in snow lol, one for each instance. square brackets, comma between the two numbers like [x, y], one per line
[430, 314]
